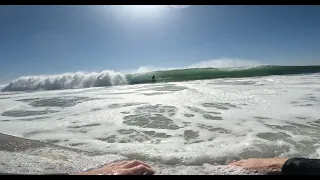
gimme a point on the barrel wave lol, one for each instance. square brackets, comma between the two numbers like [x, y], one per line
[213, 73]
[110, 78]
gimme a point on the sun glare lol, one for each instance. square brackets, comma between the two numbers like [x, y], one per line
[144, 8]
[180, 6]
[145, 12]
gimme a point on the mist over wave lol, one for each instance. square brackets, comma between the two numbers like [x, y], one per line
[215, 63]
[226, 63]
[224, 68]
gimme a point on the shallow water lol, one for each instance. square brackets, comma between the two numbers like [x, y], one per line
[194, 127]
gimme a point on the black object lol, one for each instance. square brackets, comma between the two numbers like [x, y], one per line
[301, 166]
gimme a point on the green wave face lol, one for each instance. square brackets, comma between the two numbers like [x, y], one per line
[213, 73]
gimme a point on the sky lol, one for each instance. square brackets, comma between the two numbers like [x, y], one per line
[37, 40]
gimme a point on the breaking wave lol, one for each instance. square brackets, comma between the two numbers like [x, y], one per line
[111, 78]
[66, 81]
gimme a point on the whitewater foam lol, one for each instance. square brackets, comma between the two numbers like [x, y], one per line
[67, 81]
[54, 160]
[176, 125]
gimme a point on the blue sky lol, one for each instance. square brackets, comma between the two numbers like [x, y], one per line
[38, 40]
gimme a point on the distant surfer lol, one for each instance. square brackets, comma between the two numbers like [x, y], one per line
[153, 78]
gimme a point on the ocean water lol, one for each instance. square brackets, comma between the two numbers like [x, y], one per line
[179, 127]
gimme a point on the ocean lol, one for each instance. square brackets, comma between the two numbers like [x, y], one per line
[190, 121]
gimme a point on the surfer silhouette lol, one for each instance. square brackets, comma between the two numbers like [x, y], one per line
[153, 78]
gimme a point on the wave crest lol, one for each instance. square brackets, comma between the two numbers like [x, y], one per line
[66, 81]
